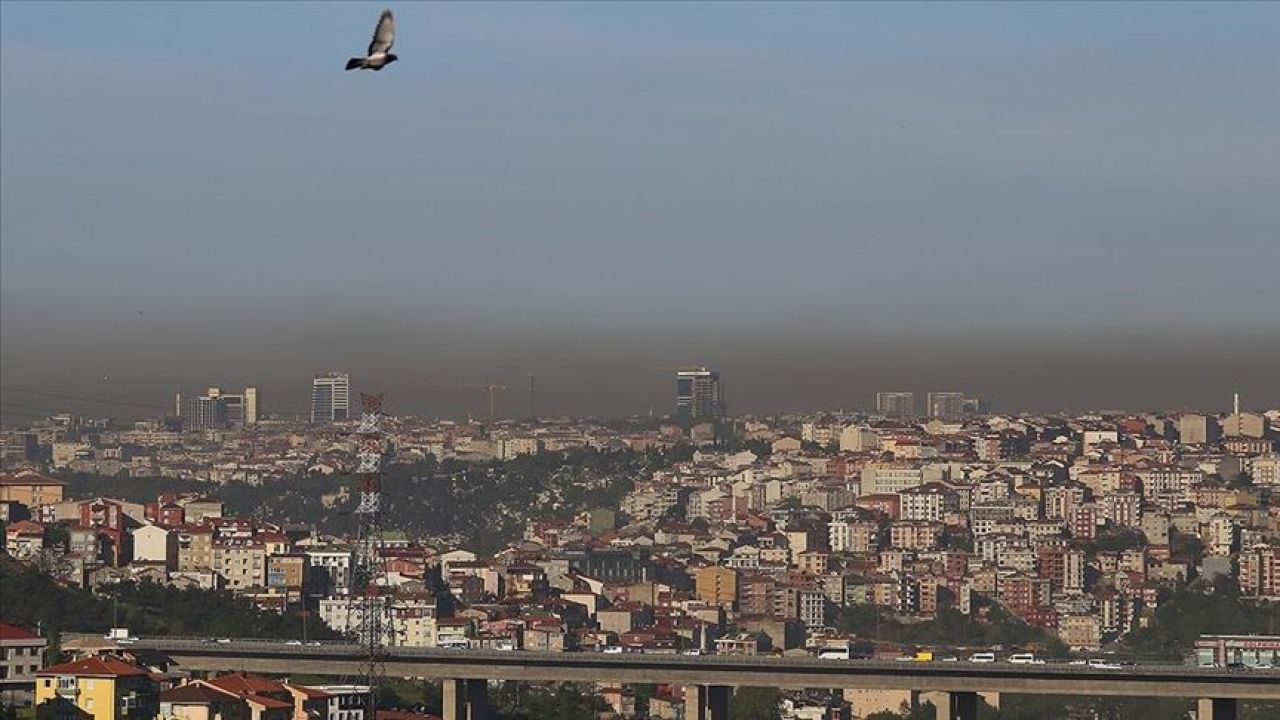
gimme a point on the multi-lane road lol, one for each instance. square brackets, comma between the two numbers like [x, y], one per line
[1145, 679]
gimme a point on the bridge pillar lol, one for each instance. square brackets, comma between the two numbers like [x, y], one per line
[959, 706]
[478, 699]
[465, 699]
[706, 702]
[718, 702]
[454, 699]
[1216, 709]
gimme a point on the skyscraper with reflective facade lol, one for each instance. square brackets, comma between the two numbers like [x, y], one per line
[330, 397]
[699, 394]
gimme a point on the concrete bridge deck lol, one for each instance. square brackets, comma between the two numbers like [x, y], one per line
[717, 671]
[278, 657]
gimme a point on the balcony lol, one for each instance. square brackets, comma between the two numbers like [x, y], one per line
[68, 691]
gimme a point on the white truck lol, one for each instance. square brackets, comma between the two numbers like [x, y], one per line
[120, 636]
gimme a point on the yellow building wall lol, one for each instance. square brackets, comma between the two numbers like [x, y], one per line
[96, 696]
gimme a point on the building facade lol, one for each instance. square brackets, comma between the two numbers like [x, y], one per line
[699, 394]
[330, 397]
[896, 404]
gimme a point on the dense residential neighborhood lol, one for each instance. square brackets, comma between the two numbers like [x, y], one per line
[859, 535]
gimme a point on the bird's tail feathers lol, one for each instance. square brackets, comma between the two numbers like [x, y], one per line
[355, 63]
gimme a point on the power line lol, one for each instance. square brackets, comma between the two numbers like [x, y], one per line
[23, 413]
[24, 406]
[80, 398]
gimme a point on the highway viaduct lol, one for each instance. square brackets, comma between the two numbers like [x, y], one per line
[465, 674]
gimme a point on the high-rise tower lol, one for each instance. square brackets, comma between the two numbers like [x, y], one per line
[699, 394]
[330, 397]
[896, 404]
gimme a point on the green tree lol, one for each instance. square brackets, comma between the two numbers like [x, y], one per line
[31, 598]
[1240, 481]
[57, 536]
[562, 700]
[1186, 545]
[1200, 609]
[754, 703]
[1118, 539]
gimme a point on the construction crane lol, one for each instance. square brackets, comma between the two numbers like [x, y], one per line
[492, 388]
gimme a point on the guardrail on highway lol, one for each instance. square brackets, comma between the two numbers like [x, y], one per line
[340, 650]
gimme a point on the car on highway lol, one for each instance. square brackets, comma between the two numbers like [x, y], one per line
[1024, 659]
[612, 650]
[1100, 664]
[294, 642]
[982, 657]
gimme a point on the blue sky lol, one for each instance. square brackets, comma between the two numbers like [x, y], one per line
[764, 187]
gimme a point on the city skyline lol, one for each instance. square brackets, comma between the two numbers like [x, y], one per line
[628, 360]
[330, 393]
[1043, 205]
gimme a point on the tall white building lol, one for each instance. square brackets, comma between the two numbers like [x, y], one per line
[330, 397]
[218, 409]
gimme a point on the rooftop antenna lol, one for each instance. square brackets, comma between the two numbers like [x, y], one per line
[1236, 401]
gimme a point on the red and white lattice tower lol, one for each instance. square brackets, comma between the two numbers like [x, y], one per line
[370, 614]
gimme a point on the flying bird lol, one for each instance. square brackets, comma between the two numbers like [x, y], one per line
[378, 55]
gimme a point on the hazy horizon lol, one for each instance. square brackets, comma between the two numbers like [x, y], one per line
[1055, 207]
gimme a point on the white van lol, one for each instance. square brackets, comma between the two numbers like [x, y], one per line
[1024, 659]
[983, 657]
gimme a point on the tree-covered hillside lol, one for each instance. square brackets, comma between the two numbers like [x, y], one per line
[30, 598]
[480, 505]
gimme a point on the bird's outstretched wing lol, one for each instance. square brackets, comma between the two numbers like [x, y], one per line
[384, 36]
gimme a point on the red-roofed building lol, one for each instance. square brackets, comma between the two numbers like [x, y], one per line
[30, 488]
[199, 700]
[101, 688]
[272, 700]
[24, 539]
[21, 656]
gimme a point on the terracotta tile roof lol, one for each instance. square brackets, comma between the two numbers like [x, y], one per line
[309, 693]
[15, 632]
[25, 527]
[197, 692]
[28, 477]
[268, 703]
[245, 684]
[96, 667]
